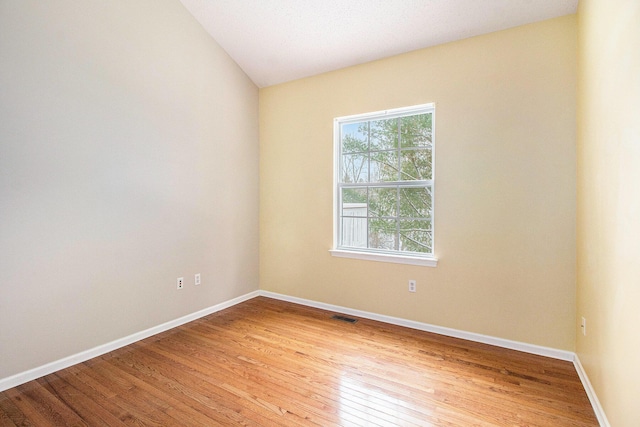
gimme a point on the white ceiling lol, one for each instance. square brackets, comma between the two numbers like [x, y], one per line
[275, 41]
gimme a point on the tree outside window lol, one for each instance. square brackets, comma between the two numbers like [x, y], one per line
[384, 181]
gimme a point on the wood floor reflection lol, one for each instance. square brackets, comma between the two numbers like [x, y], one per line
[271, 363]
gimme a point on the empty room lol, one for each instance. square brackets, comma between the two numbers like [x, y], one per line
[336, 213]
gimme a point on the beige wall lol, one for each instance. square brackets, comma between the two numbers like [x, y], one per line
[128, 158]
[505, 185]
[609, 203]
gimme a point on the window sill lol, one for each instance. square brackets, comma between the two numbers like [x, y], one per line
[398, 259]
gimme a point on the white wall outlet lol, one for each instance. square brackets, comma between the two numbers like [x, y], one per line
[412, 285]
[180, 282]
[583, 326]
[197, 279]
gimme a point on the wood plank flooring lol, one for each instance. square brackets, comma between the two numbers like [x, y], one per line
[270, 363]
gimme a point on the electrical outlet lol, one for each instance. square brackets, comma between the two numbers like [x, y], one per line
[583, 326]
[412, 285]
[197, 279]
[180, 282]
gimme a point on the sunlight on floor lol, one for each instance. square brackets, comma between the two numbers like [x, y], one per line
[361, 402]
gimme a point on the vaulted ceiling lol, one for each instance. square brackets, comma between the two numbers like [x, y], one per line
[275, 41]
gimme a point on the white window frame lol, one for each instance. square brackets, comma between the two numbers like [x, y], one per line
[376, 254]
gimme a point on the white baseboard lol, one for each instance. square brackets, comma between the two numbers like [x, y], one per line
[470, 336]
[32, 374]
[499, 342]
[593, 398]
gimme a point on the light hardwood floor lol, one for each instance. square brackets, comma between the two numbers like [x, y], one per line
[271, 363]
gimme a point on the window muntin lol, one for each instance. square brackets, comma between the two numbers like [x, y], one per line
[384, 182]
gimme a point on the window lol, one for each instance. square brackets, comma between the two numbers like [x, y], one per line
[384, 185]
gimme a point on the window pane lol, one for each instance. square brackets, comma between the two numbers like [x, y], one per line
[355, 168]
[415, 202]
[382, 233]
[384, 166]
[354, 137]
[384, 134]
[354, 232]
[416, 236]
[415, 131]
[385, 172]
[416, 164]
[383, 202]
[354, 195]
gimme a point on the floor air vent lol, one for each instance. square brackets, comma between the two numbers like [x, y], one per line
[344, 318]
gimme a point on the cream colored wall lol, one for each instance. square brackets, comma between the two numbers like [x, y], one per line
[505, 185]
[128, 158]
[609, 203]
